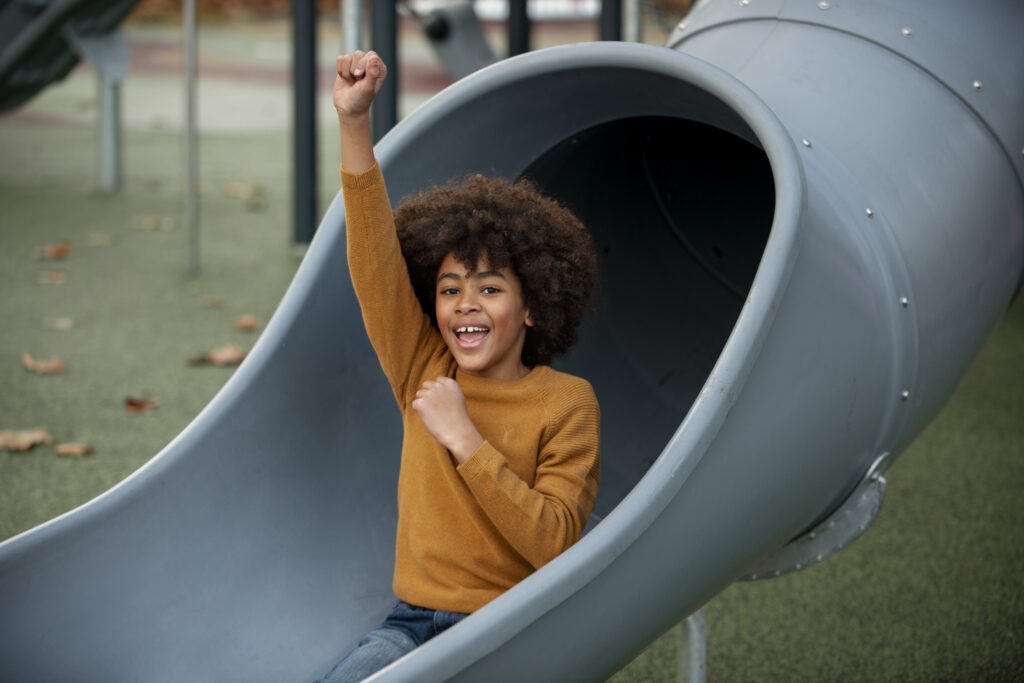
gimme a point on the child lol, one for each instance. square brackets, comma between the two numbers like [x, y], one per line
[500, 452]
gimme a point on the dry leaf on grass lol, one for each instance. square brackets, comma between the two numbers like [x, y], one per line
[246, 323]
[43, 367]
[72, 449]
[64, 322]
[134, 404]
[52, 277]
[54, 252]
[211, 302]
[233, 188]
[163, 223]
[225, 355]
[22, 440]
[255, 196]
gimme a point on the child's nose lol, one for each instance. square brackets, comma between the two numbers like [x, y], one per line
[467, 303]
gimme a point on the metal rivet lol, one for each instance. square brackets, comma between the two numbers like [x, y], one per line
[744, 3]
[682, 25]
[824, 5]
[869, 212]
[977, 85]
[906, 32]
[805, 142]
[905, 395]
[904, 301]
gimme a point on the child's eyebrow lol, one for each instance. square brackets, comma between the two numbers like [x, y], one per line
[472, 276]
[487, 274]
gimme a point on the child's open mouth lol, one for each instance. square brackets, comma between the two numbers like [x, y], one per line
[469, 336]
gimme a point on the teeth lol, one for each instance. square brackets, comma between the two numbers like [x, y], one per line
[465, 330]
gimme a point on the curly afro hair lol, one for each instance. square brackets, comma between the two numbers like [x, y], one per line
[515, 227]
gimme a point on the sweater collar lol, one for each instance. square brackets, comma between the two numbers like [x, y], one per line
[473, 382]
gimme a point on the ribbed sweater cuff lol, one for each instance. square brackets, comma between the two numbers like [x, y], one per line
[476, 463]
[360, 181]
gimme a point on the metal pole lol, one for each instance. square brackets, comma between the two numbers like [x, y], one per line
[351, 13]
[384, 28]
[191, 144]
[110, 132]
[304, 139]
[611, 19]
[518, 28]
[693, 650]
[634, 21]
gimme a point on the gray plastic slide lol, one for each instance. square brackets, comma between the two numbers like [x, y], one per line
[809, 216]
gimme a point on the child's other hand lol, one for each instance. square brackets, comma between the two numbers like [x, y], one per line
[442, 407]
[360, 77]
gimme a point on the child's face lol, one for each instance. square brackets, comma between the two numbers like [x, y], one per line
[482, 318]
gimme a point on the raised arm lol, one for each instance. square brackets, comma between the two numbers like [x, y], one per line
[360, 77]
[395, 323]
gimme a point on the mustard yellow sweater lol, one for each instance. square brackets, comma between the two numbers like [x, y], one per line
[468, 533]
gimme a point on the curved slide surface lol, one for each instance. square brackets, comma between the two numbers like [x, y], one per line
[786, 224]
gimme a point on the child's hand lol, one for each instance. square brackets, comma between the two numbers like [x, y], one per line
[360, 77]
[442, 407]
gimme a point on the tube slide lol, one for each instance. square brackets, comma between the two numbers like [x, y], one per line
[808, 222]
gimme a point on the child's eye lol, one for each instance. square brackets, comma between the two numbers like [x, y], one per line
[449, 291]
[490, 290]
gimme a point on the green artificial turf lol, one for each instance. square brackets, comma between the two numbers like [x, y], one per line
[136, 315]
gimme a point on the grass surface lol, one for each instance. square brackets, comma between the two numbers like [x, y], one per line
[932, 592]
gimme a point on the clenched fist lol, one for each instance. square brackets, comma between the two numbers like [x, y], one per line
[442, 407]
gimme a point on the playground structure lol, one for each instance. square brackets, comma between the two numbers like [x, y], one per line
[791, 204]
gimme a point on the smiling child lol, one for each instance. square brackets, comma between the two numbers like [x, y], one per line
[468, 291]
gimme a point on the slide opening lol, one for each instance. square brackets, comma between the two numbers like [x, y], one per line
[680, 212]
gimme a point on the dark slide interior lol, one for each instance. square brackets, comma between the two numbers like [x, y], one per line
[680, 212]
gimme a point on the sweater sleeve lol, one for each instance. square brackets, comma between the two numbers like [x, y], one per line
[399, 330]
[543, 520]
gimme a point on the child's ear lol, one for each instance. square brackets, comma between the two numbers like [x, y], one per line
[529, 320]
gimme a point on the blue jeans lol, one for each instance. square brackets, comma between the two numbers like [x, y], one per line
[406, 628]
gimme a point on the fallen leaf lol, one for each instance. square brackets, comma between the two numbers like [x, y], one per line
[52, 277]
[23, 440]
[54, 252]
[246, 323]
[72, 449]
[211, 302]
[225, 355]
[255, 196]
[234, 188]
[64, 322]
[145, 223]
[43, 367]
[257, 201]
[163, 223]
[134, 404]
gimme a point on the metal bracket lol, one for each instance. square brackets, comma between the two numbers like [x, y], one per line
[110, 54]
[840, 529]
